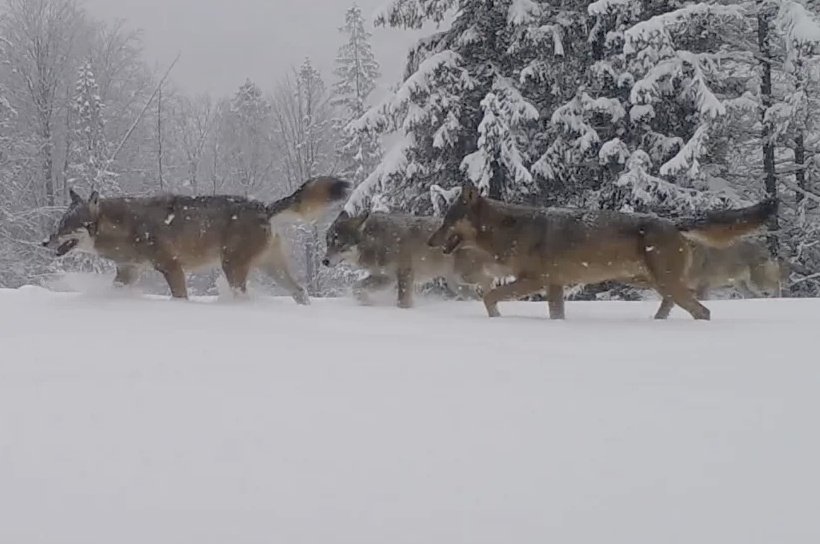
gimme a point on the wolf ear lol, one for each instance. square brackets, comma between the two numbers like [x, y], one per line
[75, 198]
[361, 218]
[94, 204]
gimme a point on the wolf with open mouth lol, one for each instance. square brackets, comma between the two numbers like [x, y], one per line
[175, 234]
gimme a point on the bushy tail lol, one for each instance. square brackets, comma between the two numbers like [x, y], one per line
[721, 228]
[310, 200]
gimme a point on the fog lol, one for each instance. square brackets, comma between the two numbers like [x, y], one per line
[224, 42]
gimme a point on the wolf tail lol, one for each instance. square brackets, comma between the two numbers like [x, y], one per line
[721, 228]
[310, 200]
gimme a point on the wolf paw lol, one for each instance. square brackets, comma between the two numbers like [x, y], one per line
[362, 298]
[302, 298]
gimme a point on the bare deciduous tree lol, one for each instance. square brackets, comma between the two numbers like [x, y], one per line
[41, 36]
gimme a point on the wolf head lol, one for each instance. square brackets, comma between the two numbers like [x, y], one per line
[460, 222]
[77, 227]
[342, 238]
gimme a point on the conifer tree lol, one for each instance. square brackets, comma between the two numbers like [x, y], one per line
[91, 149]
[356, 71]
[466, 109]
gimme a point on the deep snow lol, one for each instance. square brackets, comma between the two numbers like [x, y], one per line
[135, 419]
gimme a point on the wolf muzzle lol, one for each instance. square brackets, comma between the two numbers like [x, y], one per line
[53, 242]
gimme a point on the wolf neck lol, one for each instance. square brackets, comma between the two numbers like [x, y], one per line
[494, 221]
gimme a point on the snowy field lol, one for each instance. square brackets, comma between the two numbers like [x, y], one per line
[135, 419]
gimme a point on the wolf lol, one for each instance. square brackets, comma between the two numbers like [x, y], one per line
[175, 234]
[393, 248]
[746, 265]
[546, 249]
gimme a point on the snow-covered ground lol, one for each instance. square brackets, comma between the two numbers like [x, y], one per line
[135, 419]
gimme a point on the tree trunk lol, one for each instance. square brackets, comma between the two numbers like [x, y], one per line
[67, 154]
[48, 166]
[496, 190]
[800, 163]
[193, 176]
[764, 16]
[159, 138]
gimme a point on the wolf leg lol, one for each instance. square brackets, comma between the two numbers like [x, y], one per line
[405, 284]
[461, 287]
[279, 271]
[468, 279]
[236, 272]
[281, 275]
[666, 308]
[667, 260]
[748, 289]
[519, 288]
[175, 277]
[480, 283]
[555, 300]
[127, 274]
[764, 279]
[684, 298]
[369, 284]
[275, 265]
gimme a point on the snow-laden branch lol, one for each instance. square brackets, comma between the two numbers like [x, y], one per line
[647, 190]
[657, 29]
[687, 157]
[645, 90]
[382, 116]
[799, 26]
[413, 13]
[522, 12]
[394, 162]
[505, 111]
[602, 7]
[439, 194]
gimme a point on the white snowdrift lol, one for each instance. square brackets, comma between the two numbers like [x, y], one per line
[127, 419]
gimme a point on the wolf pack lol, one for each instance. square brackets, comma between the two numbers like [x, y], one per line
[498, 250]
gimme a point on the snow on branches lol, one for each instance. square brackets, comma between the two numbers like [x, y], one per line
[646, 192]
[357, 70]
[505, 111]
[659, 30]
[414, 13]
[412, 96]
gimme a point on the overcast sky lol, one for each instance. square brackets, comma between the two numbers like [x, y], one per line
[223, 42]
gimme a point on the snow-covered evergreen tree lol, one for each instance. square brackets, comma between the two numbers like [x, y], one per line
[468, 107]
[660, 85]
[247, 134]
[315, 111]
[90, 169]
[356, 71]
[795, 122]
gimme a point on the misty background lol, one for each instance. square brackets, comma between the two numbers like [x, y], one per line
[224, 42]
[139, 97]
